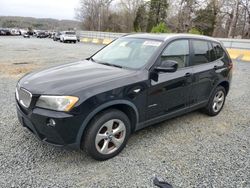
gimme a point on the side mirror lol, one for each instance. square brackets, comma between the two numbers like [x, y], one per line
[167, 66]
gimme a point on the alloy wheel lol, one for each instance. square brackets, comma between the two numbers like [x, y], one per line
[218, 101]
[110, 136]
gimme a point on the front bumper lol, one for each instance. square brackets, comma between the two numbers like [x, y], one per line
[63, 134]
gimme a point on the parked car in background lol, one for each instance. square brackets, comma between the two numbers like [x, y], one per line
[68, 36]
[36, 33]
[42, 34]
[136, 81]
[51, 34]
[5, 32]
[56, 36]
[15, 32]
[30, 33]
[26, 35]
[23, 31]
[2, 31]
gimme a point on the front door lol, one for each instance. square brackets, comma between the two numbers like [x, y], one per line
[172, 90]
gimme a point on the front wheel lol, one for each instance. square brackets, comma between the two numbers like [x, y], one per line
[216, 101]
[107, 134]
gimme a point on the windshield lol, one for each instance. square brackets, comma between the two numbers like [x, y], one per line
[128, 52]
[70, 33]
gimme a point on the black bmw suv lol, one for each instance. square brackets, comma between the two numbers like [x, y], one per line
[136, 81]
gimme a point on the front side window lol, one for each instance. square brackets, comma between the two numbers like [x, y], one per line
[131, 53]
[201, 52]
[177, 51]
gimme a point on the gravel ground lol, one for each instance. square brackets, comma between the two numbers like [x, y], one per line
[193, 150]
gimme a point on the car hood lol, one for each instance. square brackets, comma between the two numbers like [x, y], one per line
[72, 78]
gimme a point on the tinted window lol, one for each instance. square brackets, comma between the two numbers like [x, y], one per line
[177, 51]
[201, 52]
[70, 33]
[218, 50]
[212, 52]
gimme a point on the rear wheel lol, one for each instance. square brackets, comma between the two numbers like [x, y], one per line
[107, 134]
[216, 101]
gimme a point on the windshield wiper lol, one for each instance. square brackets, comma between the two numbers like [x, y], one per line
[91, 59]
[109, 64]
[104, 63]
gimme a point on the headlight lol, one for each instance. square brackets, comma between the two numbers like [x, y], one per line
[58, 103]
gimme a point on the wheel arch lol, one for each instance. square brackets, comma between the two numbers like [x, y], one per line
[125, 106]
[224, 84]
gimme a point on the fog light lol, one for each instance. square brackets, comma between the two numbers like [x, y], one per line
[51, 123]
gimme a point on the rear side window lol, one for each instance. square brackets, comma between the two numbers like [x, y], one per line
[218, 50]
[201, 52]
[212, 52]
[177, 51]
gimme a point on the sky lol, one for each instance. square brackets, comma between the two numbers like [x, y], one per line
[58, 9]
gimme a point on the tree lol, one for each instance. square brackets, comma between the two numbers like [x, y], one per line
[246, 29]
[140, 21]
[185, 15]
[160, 28]
[93, 13]
[216, 6]
[206, 18]
[195, 31]
[233, 24]
[217, 18]
[128, 12]
[9, 23]
[157, 13]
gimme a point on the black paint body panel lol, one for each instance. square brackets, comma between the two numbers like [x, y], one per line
[100, 87]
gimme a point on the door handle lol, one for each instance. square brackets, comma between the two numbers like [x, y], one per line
[216, 67]
[188, 74]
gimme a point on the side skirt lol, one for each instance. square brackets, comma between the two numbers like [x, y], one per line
[170, 115]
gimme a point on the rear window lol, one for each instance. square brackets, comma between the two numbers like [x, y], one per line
[70, 33]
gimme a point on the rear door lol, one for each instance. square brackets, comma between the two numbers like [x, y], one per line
[172, 90]
[205, 63]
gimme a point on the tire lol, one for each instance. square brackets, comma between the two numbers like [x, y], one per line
[217, 99]
[105, 124]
